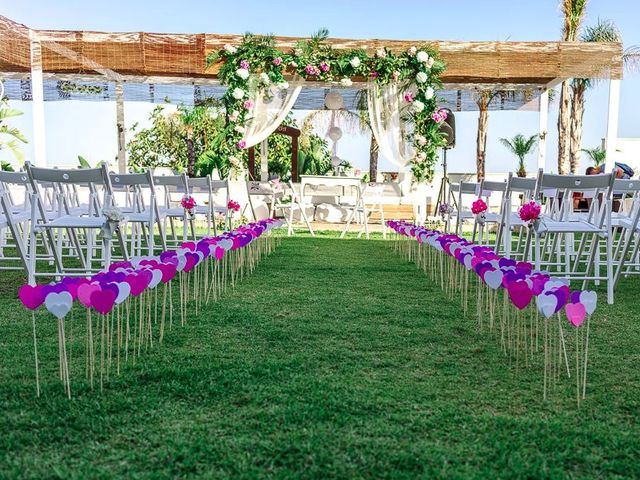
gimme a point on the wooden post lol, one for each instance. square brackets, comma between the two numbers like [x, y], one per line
[294, 159]
[542, 129]
[612, 123]
[37, 97]
[122, 155]
[252, 163]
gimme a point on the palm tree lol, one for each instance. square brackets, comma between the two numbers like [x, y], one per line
[603, 31]
[573, 12]
[11, 137]
[483, 100]
[520, 146]
[597, 155]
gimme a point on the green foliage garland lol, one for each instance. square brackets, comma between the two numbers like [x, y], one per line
[257, 66]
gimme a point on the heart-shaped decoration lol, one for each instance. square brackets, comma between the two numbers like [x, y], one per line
[124, 290]
[519, 293]
[85, 291]
[546, 304]
[31, 296]
[103, 301]
[156, 277]
[58, 303]
[493, 278]
[589, 299]
[575, 313]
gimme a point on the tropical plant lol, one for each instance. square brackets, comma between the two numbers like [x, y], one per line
[10, 138]
[6, 166]
[602, 31]
[520, 146]
[597, 155]
[84, 163]
[573, 12]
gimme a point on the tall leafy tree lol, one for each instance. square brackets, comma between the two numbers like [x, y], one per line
[520, 146]
[573, 12]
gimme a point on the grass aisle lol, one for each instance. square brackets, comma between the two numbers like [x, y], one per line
[334, 359]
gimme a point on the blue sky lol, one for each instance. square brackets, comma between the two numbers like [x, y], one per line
[70, 133]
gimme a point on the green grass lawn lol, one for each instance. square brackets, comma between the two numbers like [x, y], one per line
[335, 359]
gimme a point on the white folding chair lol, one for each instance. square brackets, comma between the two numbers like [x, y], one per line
[142, 218]
[169, 207]
[372, 200]
[262, 193]
[518, 191]
[488, 189]
[288, 208]
[211, 189]
[627, 222]
[460, 195]
[70, 221]
[561, 227]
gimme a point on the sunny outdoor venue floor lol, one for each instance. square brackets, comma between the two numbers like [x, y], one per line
[333, 359]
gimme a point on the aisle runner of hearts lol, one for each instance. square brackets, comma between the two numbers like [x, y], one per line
[503, 291]
[129, 308]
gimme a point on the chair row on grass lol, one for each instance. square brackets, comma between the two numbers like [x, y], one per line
[588, 230]
[66, 214]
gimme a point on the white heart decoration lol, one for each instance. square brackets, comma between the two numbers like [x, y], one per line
[59, 304]
[467, 261]
[157, 277]
[182, 261]
[124, 290]
[589, 299]
[546, 304]
[493, 278]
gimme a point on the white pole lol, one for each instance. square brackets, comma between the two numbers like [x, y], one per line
[37, 97]
[612, 123]
[542, 129]
[122, 157]
[264, 161]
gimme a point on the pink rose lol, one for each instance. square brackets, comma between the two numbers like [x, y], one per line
[374, 74]
[408, 97]
[324, 66]
[242, 144]
[244, 64]
[277, 61]
[311, 70]
[248, 104]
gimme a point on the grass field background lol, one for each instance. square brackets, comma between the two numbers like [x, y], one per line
[335, 359]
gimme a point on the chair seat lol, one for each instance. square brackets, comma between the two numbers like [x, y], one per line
[69, 221]
[139, 217]
[220, 209]
[627, 223]
[578, 226]
[172, 212]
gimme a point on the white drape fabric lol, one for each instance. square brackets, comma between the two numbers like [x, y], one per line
[269, 111]
[385, 103]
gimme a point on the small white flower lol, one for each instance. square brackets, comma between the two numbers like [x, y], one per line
[430, 62]
[355, 62]
[230, 48]
[237, 93]
[283, 85]
[242, 73]
[412, 51]
[422, 56]
[346, 82]
[264, 78]
[294, 64]
[429, 93]
[421, 140]
[298, 52]
[421, 156]
[417, 106]
[380, 53]
[239, 129]
[233, 160]
[421, 77]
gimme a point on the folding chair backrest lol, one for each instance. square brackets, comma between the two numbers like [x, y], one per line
[471, 188]
[14, 178]
[373, 190]
[134, 185]
[255, 187]
[575, 183]
[487, 187]
[131, 179]
[199, 184]
[171, 184]
[89, 176]
[520, 184]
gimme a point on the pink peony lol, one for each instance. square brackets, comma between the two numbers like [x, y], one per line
[324, 66]
[242, 144]
[277, 61]
[311, 70]
[530, 211]
[233, 205]
[248, 104]
[244, 64]
[408, 97]
[188, 202]
[374, 74]
[479, 206]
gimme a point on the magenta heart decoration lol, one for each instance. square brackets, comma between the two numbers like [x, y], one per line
[190, 261]
[168, 271]
[103, 301]
[191, 246]
[519, 293]
[31, 296]
[575, 313]
[85, 291]
[137, 284]
[589, 299]
[110, 286]
[219, 253]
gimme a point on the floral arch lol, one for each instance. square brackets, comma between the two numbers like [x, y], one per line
[256, 71]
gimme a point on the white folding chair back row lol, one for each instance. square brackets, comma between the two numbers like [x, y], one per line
[458, 193]
[488, 190]
[518, 191]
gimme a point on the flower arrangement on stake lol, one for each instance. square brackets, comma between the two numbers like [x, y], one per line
[530, 214]
[445, 210]
[189, 205]
[257, 67]
[479, 209]
[233, 205]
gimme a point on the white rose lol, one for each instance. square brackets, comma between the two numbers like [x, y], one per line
[422, 56]
[346, 82]
[230, 48]
[293, 64]
[412, 51]
[429, 93]
[355, 62]
[417, 106]
[264, 78]
[380, 53]
[237, 93]
[421, 77]
[233, 160]
[242, 73]
[239, 129]
[421, 156]
[421, 140]
[430, 62]
[283, 85]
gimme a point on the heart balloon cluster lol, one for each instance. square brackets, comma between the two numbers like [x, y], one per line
[125, 296]
[460, 265]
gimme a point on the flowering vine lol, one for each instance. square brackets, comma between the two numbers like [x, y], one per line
[256, 66]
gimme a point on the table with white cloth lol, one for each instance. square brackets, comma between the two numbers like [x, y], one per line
[337, 186]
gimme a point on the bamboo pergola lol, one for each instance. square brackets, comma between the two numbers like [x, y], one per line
[160, 58]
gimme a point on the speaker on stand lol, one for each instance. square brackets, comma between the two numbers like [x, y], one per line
[448, 129]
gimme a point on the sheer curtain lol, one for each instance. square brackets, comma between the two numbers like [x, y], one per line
[385, 103]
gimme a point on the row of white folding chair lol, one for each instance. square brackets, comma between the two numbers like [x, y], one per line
[518, 190]
[486, 190]
[458, 194]
[14, 219]
[626, 223]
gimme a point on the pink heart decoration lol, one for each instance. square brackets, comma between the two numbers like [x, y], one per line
[85, 291]
[31, 296]
[103, 301]
[575, 313]
[519, 293]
